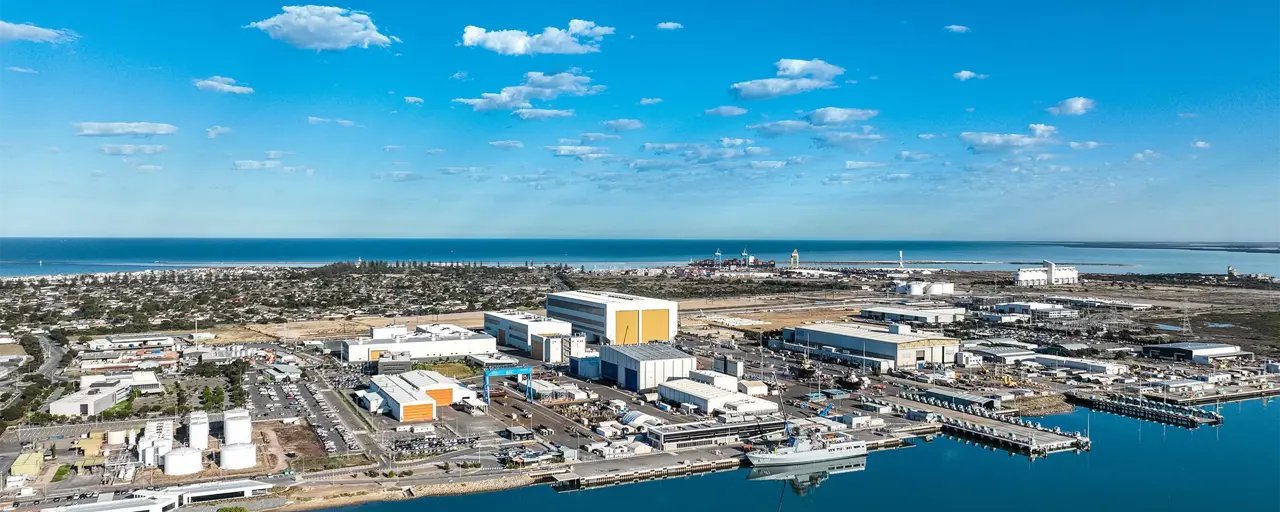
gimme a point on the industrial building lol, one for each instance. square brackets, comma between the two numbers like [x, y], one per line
[413, 396]
[924, 288]
[157, 503]
[1003, 318]
[729, 366]
[721, 431]
[390, 364]
[1196, 352]
[27, 465]
[904, 346]
[430, 342]
[844, 356]
[513, 328]
[914, 315]
[753, 387]
[1087, 365]
[615, 318]
[128, 341]
[154, 442]
[98, 393]
[1047, 274]
[1002, 355]
[644, 366]
[212, 491]
[710, 399]
[714, 378]
[557, 348]
[960, 398]
[587, 367]
[1037, 310]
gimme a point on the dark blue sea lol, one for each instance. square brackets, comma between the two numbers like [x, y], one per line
[1134, 466]
[39, 256]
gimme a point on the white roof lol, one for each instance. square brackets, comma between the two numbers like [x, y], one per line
[523, 317]
[873, 333]
[604, 297]
[698, 389]
[915, 312]
[753, 384]
[407, 388]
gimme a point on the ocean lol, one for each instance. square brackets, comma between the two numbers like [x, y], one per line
[1134, 465]
[41, 256]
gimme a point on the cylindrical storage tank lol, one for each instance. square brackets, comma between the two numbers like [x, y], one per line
[115, 437]
[131, 436]
[183, 461]
[915, 289]
[238, 456]
[198, 431]
[237, 427]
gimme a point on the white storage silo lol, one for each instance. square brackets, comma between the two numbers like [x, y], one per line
[198, 431]
[915, 289]
[115, 437]
[131, 436]
[183, 461]
[238, 456]
[237, 427]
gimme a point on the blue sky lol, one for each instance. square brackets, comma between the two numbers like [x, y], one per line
[842, 120]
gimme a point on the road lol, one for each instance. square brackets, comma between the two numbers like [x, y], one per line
[52, 356]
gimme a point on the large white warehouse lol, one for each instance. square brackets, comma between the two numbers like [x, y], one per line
[710, 399]
[513, 328]
[413, 396]
[906, 347]
[914, 315]
[98, 393]
[615, 318]
[644, 366]
[1047, 274]
[431, 341]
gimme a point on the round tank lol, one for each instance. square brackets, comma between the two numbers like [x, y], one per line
[915, 289]
[183, 461]
[130, 436]
[237, 427]
[115, 437]
[198, 431]
[238, 456]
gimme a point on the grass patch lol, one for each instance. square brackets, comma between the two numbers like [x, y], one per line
[312, 464]
[1257, 331]
[454, 370]
[63, 472]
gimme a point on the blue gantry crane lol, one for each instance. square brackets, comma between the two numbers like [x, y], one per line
[507, 372]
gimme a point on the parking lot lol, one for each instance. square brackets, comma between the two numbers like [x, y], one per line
[304, 400]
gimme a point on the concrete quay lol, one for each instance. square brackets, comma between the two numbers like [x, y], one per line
[1006, 433]
[1146, 409]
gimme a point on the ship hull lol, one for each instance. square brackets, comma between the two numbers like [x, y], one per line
[764, 459]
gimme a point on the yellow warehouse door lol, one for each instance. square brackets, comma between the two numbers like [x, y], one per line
[655, 325]
[626, 327]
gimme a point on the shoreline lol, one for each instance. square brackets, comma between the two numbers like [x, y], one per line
[386, 492]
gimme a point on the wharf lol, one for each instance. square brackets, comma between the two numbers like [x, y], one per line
[1205, 399]
[1013, 435]
[1147, 409]
[638, 469]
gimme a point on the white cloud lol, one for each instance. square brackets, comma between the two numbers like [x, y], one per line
[413, 100]
[855, 164]
[655, 165]
[1145, 155]
[574, 151]
[399, 176]
[664, 148]
[776, 128]
[834, 115]
[273, 154]
[669, 25]
[732, 143]
[344, 123]
[454, 171]
[581, 37]
[1042, 130]
[956, 29]
[895, 177]
[756, 151]
[537, 86]
[32, 33]
[1188, 115]
[149, 168]
[213, 132]
[221, 84]
[97, 173]
[391, 147]
[768, 164]
[316, 120]
[619, 125]
[847, 140]
[1200, 144]
[17, 69]
[704, 155]
[594, 136]
[725, 111]
[317, 27]
[251, 165]
[965, 74]
[460, 76]
[1083, 145]
[798, 76]
[926, 136]
[131, 149]
[322, 120]
[650, 101]
[1071, 106]
[507, 144]
[112, 129]
[529, 114]
[910, 156]
[434, 151]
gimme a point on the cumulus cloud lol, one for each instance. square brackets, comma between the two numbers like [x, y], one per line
[650, 101]
[460, 76]
[399, 176]
[1071, 106]
[581, 37]
[1199, 144]
[655, 164]
[131, 149]
[213, 132]
[113, 129]
[926, 136]
[1145, 155]
[251, 165]
[965, 74]
[32, 33]
[776, 128]
[795, 77]
[846, 140]
[733, 143]
[620, 125]
[956, 29]
[664, 148]
[911, 156]
[834, 115]
[725, 111]
[669, 25]
[530, 114]
[855, 164]
[221, 84]
[536, 86]
[595, 136]
[574, 151]
[507, 144]
[317, 27]
[275, 154]
[413, 100]
[987, 142]
[1083, 145]
[17, 69]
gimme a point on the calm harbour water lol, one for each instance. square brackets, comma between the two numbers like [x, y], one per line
[1134, 465]
[23, 256]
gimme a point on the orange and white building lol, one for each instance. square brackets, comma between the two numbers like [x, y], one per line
[612, 318]
[413, 396]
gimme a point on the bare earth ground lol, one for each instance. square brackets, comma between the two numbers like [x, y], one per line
[12, 349]
[298, 439]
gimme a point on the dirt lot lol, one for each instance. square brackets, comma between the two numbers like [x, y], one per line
[298, 439]
[780, 319]
[12, 349]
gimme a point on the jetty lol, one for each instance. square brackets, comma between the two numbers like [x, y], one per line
[1151, 410]
[988, 427]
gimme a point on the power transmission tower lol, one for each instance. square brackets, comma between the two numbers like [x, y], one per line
[1185, 327]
